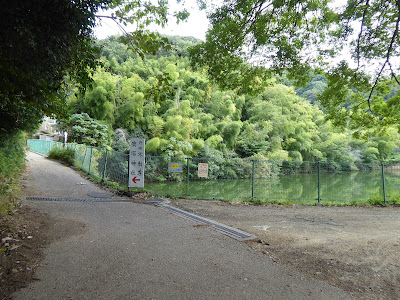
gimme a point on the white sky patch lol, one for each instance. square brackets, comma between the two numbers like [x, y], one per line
[196, 25]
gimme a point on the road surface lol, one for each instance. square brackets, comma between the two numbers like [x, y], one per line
[130, 250]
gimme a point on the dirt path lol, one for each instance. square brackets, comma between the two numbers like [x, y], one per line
[356, 249]
[128, 250]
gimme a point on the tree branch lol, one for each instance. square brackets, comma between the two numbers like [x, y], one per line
[115, 19]
[393, 74]
[384, 64]
[359, 38]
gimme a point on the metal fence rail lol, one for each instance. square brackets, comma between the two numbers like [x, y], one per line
[237, 178]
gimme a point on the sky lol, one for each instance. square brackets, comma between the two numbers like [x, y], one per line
[196, 26]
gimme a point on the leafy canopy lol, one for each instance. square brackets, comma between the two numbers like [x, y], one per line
[46, 44]
[40, 43]
[357, 44]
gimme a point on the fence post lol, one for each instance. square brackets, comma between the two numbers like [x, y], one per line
[105, 166]
[252, 183]
[75, 151]
[319, 182]
[187, 176]
[83, 161]
[383, 182]
[90, 160]
[129, 161]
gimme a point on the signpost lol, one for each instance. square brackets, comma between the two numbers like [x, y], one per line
[202, 170]
[136, 163]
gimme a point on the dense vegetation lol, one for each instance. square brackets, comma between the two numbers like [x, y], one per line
[42, 44]
[198, 119]
[12, 159]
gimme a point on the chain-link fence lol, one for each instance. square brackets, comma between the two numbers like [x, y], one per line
[236, 178]
[103, 164]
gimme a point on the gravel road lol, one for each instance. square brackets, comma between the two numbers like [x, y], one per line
[130, 250]
[353, 248]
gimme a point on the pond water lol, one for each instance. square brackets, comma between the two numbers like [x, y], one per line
[344, 186]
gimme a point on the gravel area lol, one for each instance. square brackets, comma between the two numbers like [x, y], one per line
[353, 248]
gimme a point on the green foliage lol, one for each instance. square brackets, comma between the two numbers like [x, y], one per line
[66, 156]
[296, 38]
[120, 141]
[176, 148]
[42, 42]
[153, 146]
[84, 130]
[12, 159]
[313, 88]
[376, 200]
[47, 51]
[200, 120]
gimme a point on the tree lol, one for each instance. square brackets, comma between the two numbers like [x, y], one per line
[276, 124]
[82, 129]
[231, 132]
[302, 35]
[313, 88]
[131, 112]
[40, 43]
[43, 41]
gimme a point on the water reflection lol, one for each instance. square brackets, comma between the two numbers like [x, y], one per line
[344, 186]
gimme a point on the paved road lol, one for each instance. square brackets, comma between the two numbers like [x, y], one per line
[138, 251]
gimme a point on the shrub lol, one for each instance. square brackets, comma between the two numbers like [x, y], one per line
[66, 156]
[12, 158]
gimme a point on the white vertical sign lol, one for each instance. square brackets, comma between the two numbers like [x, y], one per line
[136, 163]
[202, 170]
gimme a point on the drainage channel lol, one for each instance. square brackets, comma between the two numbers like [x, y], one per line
[66, 199]
[229, 231]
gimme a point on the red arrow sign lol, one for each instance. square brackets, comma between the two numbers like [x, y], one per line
[134, 179]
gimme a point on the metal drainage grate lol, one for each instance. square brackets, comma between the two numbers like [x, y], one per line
[232, 232]
[99, 195]
[156, 201]
[60, 199]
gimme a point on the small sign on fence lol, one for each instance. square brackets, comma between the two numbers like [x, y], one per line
[174, 167]
[136, 163]
[202, 170]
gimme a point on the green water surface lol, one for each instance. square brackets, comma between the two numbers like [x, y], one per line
[345, 186]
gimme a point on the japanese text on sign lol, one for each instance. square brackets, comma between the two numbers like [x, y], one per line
[202, 170]
[136, 163]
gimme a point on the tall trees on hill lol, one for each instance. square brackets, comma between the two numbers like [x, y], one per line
[200, 119]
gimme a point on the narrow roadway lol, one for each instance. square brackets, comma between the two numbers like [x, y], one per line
[136, 251]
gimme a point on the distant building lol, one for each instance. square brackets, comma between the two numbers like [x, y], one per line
[48, 130]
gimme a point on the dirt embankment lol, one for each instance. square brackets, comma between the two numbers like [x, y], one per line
[23, 235]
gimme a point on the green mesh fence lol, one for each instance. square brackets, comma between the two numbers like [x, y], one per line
[116, 168]
[390, 191]
[41, 146]
[236, 178]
